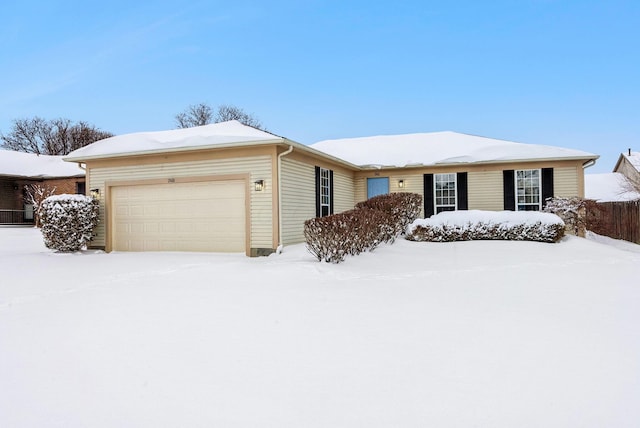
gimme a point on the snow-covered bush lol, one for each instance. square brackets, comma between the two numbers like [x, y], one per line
[403, 208]
[68, 221]
[572, 211]
[334, 237]
[476, 225]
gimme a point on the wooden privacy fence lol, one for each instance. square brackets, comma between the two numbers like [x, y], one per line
[618, 220]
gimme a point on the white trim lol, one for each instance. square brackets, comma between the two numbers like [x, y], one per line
[325, 191]
[455, 192]
[539, 195]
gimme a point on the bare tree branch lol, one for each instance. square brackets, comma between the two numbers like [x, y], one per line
[202, 114]
[228, 112]
[50, 137]
[195, 115]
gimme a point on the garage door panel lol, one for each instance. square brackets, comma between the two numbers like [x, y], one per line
[201, 216]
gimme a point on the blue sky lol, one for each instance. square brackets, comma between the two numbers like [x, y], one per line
[562, 73]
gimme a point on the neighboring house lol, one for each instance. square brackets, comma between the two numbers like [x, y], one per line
[621, 185]
[629, 165]
[18, 170]
[232, 188]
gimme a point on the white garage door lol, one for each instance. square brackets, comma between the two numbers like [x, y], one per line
[199, 216]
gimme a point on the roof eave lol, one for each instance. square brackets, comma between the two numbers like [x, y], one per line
[485, 162]
[83, 159]
[322, 154]
[41, 177]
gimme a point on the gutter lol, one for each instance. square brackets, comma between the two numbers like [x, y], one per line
[280, 156]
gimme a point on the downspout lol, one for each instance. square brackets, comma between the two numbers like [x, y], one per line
[280, 156]
[589, 163]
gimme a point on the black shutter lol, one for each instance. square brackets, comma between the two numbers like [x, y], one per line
[428, 195]
[547, 185]
[463, 200]
[330, 191]
[318, 213]
[508, 182]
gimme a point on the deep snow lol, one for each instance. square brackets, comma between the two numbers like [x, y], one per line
[495, 334]
[36, 166]
[432, 148]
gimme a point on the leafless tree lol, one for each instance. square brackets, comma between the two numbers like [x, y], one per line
[50, 137]
[36, 193]
[202, 114]
[631, 184]
[229, 112]
[195, 115]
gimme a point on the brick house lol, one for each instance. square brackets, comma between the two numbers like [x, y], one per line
[18, 170]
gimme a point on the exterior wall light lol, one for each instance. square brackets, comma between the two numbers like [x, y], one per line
[259, 185]
[95, 193]
[401, 184]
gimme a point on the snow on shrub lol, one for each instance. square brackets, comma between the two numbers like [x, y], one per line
[474, 225]
[403, 208]
[68, 221]
[572, 211]
[334, 237]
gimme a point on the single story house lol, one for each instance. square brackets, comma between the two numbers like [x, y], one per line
[232, 188]
[18, 169]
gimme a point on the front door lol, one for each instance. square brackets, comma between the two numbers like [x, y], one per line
[377, 186]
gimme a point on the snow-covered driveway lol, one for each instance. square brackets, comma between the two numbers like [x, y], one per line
[487, 334]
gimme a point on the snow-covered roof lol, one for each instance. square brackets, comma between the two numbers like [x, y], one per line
[30, 165]
[634, 159]
[609, 187]
[231, 133]
[436, 148]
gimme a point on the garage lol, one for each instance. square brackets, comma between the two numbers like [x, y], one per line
[183, 216]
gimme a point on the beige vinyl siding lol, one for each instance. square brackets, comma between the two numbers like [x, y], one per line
[260, 202]
[360, 189]
[485, 190]
[298, 193]
[565, 182]
[412, 184]
[343, 192]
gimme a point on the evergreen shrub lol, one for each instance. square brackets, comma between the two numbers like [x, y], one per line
[68, 221]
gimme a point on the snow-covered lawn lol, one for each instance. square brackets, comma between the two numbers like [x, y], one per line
[485, 334]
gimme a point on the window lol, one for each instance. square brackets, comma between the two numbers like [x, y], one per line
[445, 192]
[324, 192]
[81, 188]
[528, 197]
